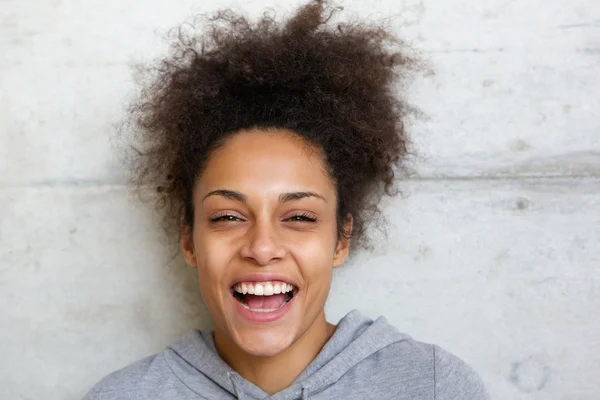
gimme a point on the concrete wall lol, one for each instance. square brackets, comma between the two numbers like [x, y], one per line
[493, 251]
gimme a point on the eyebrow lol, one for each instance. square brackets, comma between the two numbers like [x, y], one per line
[283, 198]
[228, 194]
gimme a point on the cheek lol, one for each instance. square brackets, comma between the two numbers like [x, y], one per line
[213, 257]
[314, 258]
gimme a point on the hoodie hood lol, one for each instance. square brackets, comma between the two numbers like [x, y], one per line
[355, 339]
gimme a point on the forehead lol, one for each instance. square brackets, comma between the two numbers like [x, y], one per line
[274, 160]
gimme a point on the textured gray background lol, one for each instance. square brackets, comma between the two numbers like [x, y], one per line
[492, 251]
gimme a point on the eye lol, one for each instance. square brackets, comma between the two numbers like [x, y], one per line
[225, 218]
[305, 217]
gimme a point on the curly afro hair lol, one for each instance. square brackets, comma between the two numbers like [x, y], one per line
[333, 84]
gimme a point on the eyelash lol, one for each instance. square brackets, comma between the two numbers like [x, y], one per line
[224, 218]
[304, 217]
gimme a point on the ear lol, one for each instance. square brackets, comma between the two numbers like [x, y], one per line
[186, 242]
[343, 246]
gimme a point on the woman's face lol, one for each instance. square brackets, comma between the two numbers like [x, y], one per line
[264, 239]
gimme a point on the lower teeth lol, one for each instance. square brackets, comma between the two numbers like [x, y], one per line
[265, 310]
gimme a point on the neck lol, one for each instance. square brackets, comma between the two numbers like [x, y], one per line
[273, 374]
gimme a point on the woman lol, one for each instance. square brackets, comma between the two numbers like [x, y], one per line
[270, 145]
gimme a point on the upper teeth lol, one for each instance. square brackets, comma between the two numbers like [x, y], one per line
[263, 288]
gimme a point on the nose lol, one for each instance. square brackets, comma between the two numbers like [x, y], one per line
[263, 245]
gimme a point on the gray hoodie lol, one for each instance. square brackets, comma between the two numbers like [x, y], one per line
[364, 359]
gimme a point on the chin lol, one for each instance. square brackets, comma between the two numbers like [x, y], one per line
[265, 344]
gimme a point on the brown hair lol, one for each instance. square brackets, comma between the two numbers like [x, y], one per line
[332, 84]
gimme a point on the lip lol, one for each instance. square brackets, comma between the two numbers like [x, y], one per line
[264, 317]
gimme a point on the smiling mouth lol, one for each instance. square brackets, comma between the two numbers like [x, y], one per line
[264, 297]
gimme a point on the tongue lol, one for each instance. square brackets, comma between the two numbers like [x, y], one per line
[264, 302]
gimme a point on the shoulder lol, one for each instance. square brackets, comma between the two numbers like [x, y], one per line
[455, 379]
[427, 368]
[145, 374]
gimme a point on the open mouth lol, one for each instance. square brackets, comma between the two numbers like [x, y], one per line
[264, 297]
